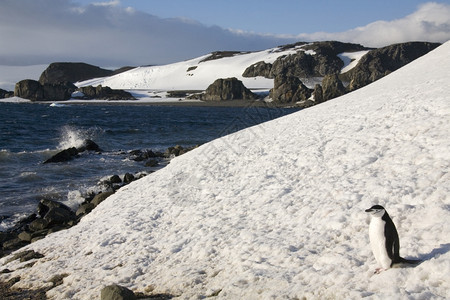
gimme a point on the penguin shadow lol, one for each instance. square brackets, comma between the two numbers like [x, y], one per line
[443, 249]
[411, 263]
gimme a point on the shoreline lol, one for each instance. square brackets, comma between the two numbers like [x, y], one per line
[180, 103]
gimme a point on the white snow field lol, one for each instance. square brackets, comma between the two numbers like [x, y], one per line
[276, 211]
[198, 73]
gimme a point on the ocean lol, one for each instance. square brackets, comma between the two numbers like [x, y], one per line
[32, 133]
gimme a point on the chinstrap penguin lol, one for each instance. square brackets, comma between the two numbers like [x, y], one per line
[384, 239]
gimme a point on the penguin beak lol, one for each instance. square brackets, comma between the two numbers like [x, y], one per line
[368, 210]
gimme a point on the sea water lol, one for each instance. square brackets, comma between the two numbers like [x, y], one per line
[32, 133]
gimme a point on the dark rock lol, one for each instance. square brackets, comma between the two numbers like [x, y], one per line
[222, 54]
[63, 156]
[59, 215]
[29, 89]
[99, 198]
[34, 91]
[139, 155]
[320, 61]
[38, 225]
[289, 90]
[6, 94]
[13, 244]
[25, 236]
[65, 71]
[84, 209]
[26, 255]
[104, 93]
[70, 153]
[227, 89]
[318, 94]
[380, 62]
[89, 145]
[115, 179]
[128, 178]
[332, 87]
[117, 292]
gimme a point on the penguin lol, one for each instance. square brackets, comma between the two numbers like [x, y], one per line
[384, 239]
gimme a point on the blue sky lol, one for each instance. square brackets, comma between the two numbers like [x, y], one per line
[277, 17]
[142, 32]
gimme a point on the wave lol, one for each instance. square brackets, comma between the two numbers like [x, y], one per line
[72, 136]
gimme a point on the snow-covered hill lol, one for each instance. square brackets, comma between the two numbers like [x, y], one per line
[276, 211]
[199, 73]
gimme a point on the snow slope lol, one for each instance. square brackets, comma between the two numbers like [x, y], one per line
[197, 74]
[277, 210]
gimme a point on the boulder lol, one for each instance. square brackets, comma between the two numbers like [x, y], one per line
[99, 198]
[55, 212]
[63, 156]
[332, 87]
[128, 178]
[289, 90]
[380, 62]
[35, 91]
[318, 94]
[29, 89]
[116, 292]
[227, 89]
[84, 209]
[89, 145]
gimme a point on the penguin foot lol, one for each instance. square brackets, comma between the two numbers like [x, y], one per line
[378, 270]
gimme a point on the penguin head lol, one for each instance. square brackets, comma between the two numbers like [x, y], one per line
[376, 211]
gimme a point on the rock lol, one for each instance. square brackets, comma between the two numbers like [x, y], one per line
[6, 94]
[89, 145]
[289, 90]
[115, 179]
[380, 62]
[99, 198]
[128, 178]
[13, 244]
[104, 93]
[65, 71]
[29, 89]
[332, 87]
[38, 225]
[63, 156]
[116, 292]
[311, 60]
[27, 255]
[84, 209]
[318, 94]
[70, 153]
[25, 236]
[227, 89]
[59, 215]
[35, 91]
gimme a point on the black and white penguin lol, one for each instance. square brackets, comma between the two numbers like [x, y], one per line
[384, 239]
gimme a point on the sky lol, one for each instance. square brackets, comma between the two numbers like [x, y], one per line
[146, 32]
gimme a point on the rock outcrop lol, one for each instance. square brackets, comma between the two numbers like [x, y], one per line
[311, 60]
[35, 91]
[104, 93]
[380, 62]
[289, 89]
[227, 89]
[73, 72]
[332, 87]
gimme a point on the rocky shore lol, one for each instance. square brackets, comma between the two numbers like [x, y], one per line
[52, 216]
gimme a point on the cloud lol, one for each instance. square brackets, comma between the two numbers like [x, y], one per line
[108, 34]
[431, 22]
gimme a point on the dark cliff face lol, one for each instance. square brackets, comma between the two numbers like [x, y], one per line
[227, 89]
[380, 62]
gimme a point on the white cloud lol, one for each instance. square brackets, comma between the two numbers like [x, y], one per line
[108, 34]
[431, 22]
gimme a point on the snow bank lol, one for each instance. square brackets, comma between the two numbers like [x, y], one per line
[277, 210]
[351, 59]
[194, 74]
